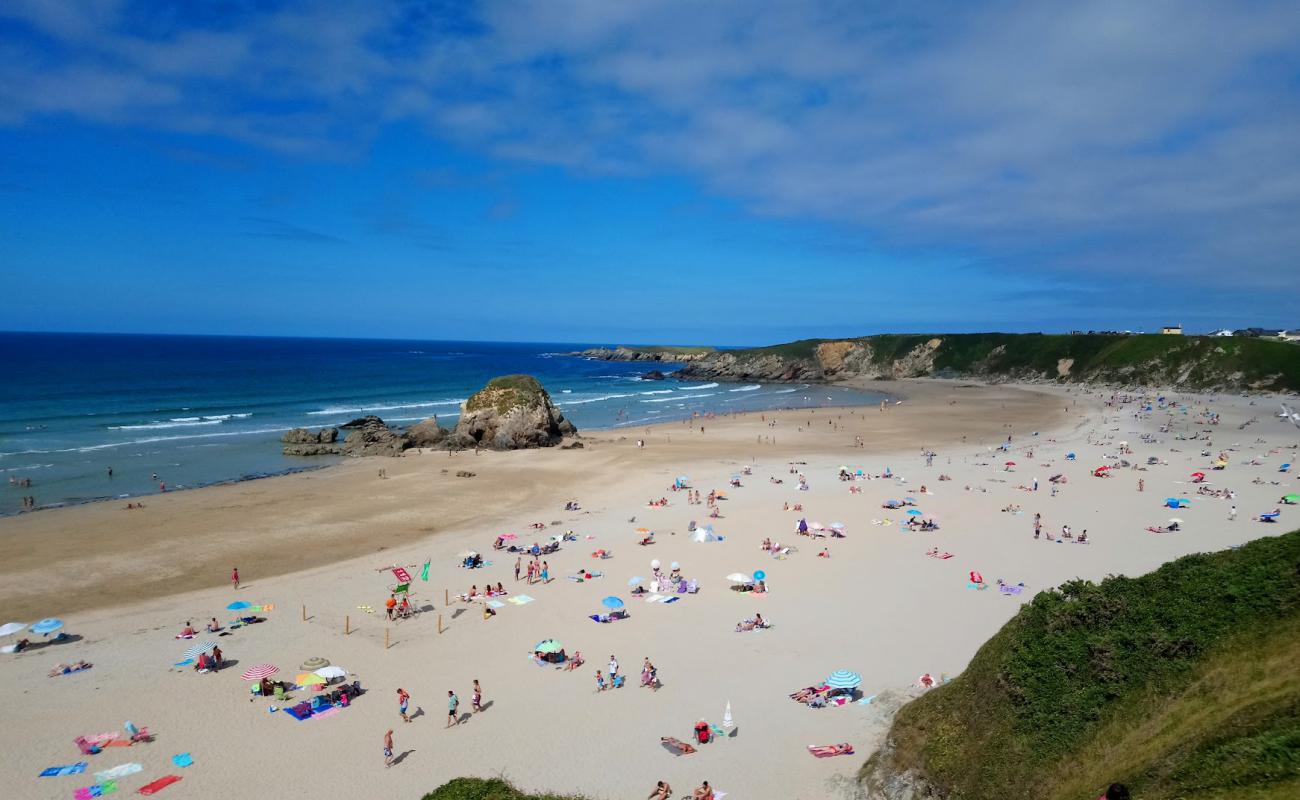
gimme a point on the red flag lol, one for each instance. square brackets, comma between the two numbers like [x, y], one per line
[402, 575]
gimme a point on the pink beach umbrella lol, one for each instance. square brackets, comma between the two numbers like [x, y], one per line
[259, 672]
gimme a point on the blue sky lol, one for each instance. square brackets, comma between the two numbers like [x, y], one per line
[588, 171]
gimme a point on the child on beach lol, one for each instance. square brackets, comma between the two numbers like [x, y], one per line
[476, 699]
[234, 576]
[402, 700]
[388, 748]
[600, 682]
[453, 703]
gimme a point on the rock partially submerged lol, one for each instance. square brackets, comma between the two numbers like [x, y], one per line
[511, 413]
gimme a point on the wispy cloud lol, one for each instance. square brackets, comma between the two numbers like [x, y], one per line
[1134, 142]
[264, 228]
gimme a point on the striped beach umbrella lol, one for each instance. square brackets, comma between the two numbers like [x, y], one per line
[259, 672]
[197, 649]
[844, 679]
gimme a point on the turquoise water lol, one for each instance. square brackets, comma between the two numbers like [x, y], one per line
[197, 410]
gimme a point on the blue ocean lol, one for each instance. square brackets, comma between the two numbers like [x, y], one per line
[189, 411]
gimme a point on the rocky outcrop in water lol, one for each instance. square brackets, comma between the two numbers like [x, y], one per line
[302, 442]
[510, 413]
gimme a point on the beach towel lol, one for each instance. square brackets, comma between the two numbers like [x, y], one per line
[671, 600]
[95, 790]
[116, 743]
[120, 771]
[100, 738]
[326, 712]
[182, 759]
[70, 769]
[158, 785]
[1011, 589]
[496, 604]
[654, 598]
[980, 586]
[521, 600]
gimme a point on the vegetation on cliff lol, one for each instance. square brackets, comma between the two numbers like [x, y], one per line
[486, 789]
[1191, 362]
[1180, 683]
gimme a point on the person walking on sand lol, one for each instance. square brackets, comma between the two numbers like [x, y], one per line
[546, 572]
[600, 682]
[1142, 484]
[519, 562]
[476, 698]
[453, 703]
[613, 668]
[234, 576]
[388, 748]
[1232, 514]
[403, 699]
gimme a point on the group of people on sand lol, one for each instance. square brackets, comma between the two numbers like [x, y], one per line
[398, 610]
[537, 570]
[488, 592]
[663, 791]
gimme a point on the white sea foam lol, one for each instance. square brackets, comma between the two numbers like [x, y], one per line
[658, 391]
[705, 386]
[592, 400]
[680, 397]
[224, 417]
[394, 407]
[753, 388]
[183, 422]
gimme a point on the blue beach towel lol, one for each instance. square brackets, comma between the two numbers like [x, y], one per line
[70, 769]
[182, 759]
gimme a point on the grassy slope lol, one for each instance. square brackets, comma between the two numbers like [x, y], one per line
[1095, 356]
[1181, 683]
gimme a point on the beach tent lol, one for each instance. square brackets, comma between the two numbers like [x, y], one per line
[705, 534]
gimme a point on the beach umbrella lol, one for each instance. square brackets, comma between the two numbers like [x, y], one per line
[914, 512]
[332, 672]
[238, 605]
[738, 577]
[314, 663]
[675, 565]
[467, 554]
[1198, 474]
[197, 649]
[259, 672]
[612, 602]
[10, 628]
[726, 718]
[1009, 464]
[310, 679]
[844, 679]
[1176, 519]
[839, 526]
[909, 499]
[1290, 498]
[548, 646]
[634, 580]
[759, 575]
[508, 536]
[654, 564]
[642, 530]
[47, 626]
[817, 526]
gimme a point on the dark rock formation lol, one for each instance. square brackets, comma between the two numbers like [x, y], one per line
[426, 433]
[653, 375]
[302, 442]
[510, 413]
[369, 436]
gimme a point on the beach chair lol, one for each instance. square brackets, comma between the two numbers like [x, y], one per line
[137, 734]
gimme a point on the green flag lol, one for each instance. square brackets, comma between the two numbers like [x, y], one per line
[424, 573]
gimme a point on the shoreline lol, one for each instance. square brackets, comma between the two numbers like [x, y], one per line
[270, 514]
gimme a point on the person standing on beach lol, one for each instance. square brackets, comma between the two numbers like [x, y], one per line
[453, 703]
[1141, 484]
[388, 748]
[600, 682]
[403, 699]
[613, 668]
[476, 699]
[1232, 514]
[546, 572]
[110, 473]
[234, 576]
[518, 563]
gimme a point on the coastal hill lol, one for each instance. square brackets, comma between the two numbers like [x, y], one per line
[1184, 362]
[1179, 683]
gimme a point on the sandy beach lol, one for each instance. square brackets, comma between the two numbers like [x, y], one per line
[320, 545]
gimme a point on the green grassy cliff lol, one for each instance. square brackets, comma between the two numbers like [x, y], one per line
[1190, 362]
[486, 789]
[1181, 683]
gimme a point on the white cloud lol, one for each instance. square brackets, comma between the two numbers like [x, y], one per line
[1121, 138]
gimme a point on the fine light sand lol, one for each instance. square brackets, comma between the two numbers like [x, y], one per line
[126, 581]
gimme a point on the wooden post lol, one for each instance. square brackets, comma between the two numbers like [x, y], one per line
[439, 623]
[385, 638]
[446, 598]
[304, 612]
[347, 625]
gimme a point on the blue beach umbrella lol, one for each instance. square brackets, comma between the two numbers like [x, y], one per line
[612, 602]
[633, 581]
[237, 605]
[909, 499]
[759, 575]
[844, 679]
[47, 626]
[914, 512]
